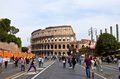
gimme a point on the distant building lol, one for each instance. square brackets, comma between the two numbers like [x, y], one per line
[52, 40]
[83, 43]
[88, 43]
[56, 41]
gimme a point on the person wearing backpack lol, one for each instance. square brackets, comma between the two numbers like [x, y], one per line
[40, 61]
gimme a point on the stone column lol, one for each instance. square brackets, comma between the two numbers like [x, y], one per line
[111, 30]
[105, 30]
[101, 31]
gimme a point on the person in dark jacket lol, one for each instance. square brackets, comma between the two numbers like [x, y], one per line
[32, 64]
[64, 61]
[73, 62]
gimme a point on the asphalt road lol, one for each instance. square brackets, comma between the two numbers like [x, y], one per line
[56, 71]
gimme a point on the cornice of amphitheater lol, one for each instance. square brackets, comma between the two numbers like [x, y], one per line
[65, 30]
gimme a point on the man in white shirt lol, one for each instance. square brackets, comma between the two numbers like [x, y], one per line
[5, 61]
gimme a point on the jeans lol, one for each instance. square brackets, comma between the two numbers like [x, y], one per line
[64, 65]
[40, 63]
[88, 71]
[22, 67]
[6, 63]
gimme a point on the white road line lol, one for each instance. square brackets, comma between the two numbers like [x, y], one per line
[13, 75]
[42, 71]
[100, 76]
[18, 75]
[110, 68]
[97, 74]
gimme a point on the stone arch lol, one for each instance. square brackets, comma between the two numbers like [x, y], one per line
[48, 46]
[63, 46]
[51, 46]
[55, 46]
[68, 46]
[59, 46]
[55, 53]
[59, 53]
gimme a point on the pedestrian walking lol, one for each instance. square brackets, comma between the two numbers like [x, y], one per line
[6, 61]
[99, 64]
[1, 61]
[87, 64]
[93, 66]
[16, 61]
[119, 64]
[70, 61]
[108, 60]
[82, 59]
[32, 64]
[40, 61]
[22, 61]
[27, 62]
[73, 62]
[64, 61]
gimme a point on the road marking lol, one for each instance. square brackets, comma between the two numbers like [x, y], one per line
[97, 74]
[13, 75]
[40, 68]
[110, 68]
[31, 73]
[18, 75]
[100, 76]
[42, 71]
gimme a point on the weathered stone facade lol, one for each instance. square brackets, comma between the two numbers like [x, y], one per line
[52, 40]
[11, 47]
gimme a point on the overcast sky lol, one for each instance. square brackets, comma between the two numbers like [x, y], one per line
[30, 15]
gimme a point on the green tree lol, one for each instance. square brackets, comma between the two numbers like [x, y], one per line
[106, 44]
[7, 32]
[4, 29]
[5, 24]
[13, 30]
[24, 49]
[84, 50]
[72, 50]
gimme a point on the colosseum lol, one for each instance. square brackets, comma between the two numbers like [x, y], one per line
[53, 40]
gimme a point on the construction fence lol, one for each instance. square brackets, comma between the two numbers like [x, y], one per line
[11, 54]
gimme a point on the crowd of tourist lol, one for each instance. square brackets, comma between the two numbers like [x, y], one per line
[89, 62]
